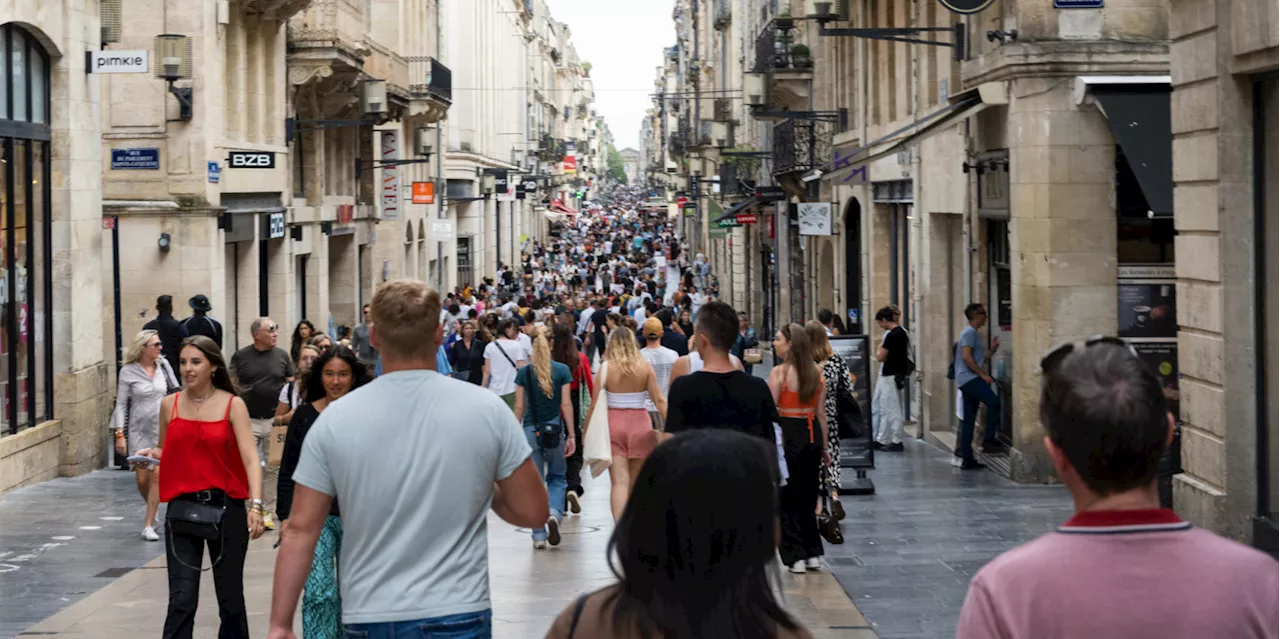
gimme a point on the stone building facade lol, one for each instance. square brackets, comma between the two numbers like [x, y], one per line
[54, 384]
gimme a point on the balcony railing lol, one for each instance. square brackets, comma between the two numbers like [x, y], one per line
[430, 79]
[775, 48]
[801, 145]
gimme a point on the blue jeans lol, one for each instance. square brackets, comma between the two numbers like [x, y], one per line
[977, 391]
[469, 625]
[553, 468]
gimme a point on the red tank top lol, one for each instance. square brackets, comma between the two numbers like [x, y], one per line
[201, 456]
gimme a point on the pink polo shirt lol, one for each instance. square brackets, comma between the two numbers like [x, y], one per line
[1125, 575]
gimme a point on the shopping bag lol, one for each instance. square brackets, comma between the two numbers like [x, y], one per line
[597, 450]
[275, 453]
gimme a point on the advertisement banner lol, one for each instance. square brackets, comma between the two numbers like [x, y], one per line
[390, 176]
[424, 193]
[857, 453]
[1147, 302]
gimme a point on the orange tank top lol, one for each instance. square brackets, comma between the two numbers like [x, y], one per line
[790, 400]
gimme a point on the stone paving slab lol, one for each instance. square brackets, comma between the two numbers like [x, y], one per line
[529, 589]
[911, 549]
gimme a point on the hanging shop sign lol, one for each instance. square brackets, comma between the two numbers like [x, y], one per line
[770, 194]
[135, 159]
[107, 61]
[504, 188]
[390, 175]
[346, 213]
[966, 6]
[728, 223]
[747, 218]
[251, 159]
[275, 225]
[442, 230]
[423, 193]
[814, 218]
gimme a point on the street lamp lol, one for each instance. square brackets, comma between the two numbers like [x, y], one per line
[173, 57]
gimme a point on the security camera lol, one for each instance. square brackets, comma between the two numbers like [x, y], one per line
[1002, 36]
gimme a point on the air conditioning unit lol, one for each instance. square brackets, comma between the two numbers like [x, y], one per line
[373, 97]
[422, 142]
[720, 135]
[819, 9]
[755, 91]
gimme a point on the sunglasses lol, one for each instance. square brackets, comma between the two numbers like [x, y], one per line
[272, 328]
[1057, 354]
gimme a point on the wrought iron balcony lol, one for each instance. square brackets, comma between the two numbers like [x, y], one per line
[777, 48]
[801, 145]
[428, 79]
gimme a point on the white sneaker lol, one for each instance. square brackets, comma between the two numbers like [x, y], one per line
[149, 534]
[797, 568]
[813, 563]
[539, 545]
[956, 461]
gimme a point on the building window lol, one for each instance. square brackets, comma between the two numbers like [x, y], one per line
[26, 371]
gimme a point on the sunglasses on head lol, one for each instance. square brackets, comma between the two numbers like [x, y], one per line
[1057, 354]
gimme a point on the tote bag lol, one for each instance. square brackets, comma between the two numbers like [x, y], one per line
[597, 451]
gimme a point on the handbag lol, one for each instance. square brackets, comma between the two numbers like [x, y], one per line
[546, 434]
[597, 451]
[850, 422]
[199, 519]
[751, 356]
[828, 527]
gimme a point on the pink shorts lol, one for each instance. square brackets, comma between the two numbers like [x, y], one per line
[631, 433]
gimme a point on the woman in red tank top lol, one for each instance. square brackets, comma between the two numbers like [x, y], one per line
[209, 457]
[800, 394]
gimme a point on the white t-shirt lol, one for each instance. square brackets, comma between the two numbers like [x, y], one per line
[502, 375]
[526, 343]
[425, 557]
[662, 359]
[290, 398]
[640, 314]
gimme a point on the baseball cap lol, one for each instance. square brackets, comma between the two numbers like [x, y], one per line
[653, 327]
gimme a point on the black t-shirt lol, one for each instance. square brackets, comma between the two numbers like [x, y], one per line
[898, 345]
[599, 319]
[734, 400]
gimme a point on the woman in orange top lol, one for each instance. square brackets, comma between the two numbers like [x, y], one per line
[800, 393]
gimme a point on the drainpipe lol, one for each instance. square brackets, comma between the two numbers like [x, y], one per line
[442, 191]
[916, 229]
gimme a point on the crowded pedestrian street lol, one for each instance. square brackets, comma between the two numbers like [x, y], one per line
[672, 319]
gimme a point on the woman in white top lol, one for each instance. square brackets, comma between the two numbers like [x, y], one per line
[142, 382]
[503, 357]
[292, 394]
[629, 384]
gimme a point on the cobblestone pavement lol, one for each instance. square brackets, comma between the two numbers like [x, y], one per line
[55, 593]
[911, 549]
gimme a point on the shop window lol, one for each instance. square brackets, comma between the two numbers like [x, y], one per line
[26, 384]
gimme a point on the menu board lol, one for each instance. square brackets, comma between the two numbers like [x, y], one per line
[854, 349]
[1147, 317]
[1162, 357]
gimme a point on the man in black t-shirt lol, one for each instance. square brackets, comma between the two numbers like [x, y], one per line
[895, 370]
[719, 395]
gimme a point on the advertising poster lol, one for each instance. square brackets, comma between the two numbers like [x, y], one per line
[1147, 302]
[853, 348]
[1162, 357]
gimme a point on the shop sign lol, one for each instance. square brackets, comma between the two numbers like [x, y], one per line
[106, 61]
[135, 159]
[275, 226]
[390, 175]
[570, 166]
[728, 223]
[770, 193]
[346, 213]
[442, 230]
[521, 193]
[747, 218]
[424, 193]
[966, 6]
[1077, 4]
[215, 173]
[503, 188]
[814, 218]
[251, 160]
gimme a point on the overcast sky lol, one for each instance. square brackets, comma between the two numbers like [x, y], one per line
[623, 41]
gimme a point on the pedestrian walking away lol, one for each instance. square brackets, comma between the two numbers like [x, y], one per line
[142, 382]
[337, 373]
[1135, 569]
[565, 349]
[544, 407]
[800, 394]
[260, 370]
[200, 323]
[661, 359]
[502, 359]
[169, 329]
[408, 566]
[211, 479]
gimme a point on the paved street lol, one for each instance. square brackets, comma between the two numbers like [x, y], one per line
[55, 591]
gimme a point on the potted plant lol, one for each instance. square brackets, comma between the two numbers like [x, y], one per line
[800, 57]
[783, 19]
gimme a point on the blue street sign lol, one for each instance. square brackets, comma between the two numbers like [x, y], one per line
[215, 173]
[135, 159]
[1077, 4]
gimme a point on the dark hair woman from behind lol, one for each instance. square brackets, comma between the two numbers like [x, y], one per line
[704, 572]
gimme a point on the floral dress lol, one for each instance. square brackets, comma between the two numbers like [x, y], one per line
[836, 375]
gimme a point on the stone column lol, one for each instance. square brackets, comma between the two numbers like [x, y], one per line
[1062, 244]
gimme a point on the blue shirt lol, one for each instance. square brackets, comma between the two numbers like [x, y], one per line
[973, 339]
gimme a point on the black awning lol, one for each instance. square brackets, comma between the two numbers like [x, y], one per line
[737, 208]
[1140, 120]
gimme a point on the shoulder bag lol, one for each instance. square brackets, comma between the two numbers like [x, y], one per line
[547, 434]
[597, 451]
[828, 527]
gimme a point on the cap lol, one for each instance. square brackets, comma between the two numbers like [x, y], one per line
[200, 303]
[653, 327]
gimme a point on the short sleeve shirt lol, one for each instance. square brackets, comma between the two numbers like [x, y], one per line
[538, 406]
[973, 339]
[502, 356]
[409, 433]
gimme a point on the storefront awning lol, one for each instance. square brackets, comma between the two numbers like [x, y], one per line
[1139, 112]
[559, 207]
[737, 208]
[849, 165]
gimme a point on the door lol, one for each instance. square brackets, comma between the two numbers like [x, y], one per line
[1000, 316]
[852, 230]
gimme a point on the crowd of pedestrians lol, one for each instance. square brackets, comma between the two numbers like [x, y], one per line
[606, 350]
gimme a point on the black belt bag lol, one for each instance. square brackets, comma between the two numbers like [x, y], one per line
[198, 514]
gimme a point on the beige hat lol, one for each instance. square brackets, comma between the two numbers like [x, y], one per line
[653, 327]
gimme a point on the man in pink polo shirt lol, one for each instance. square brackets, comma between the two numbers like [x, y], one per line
[1122, 567]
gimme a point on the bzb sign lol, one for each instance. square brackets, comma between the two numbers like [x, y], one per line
[251, 160]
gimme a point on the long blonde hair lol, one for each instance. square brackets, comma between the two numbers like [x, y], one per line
[622, 352]
[800, 357]
[134, 352]
[818, 338]
[542, 361]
